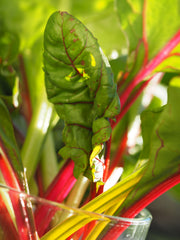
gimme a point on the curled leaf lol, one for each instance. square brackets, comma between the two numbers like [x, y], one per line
[79, 82]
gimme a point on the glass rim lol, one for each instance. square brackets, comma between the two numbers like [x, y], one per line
[144, 217]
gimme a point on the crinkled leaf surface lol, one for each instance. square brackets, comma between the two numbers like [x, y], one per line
[79, 82]
[8, 146]
[161, 154]
[149, 25]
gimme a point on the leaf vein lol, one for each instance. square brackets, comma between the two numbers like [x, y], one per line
[72, 63]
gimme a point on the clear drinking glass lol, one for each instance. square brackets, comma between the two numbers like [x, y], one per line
[26, 217]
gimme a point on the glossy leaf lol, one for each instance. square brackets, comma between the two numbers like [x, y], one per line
[79, 82]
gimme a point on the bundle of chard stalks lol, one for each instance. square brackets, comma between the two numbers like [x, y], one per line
[75, 125]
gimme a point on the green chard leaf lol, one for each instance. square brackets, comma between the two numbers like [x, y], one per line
[160, 154]
[79, 83]
[145, 25]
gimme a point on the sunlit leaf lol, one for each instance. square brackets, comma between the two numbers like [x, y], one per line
[79, 82]
[146, 29]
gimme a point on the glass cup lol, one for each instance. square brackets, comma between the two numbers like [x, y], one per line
[27, 217]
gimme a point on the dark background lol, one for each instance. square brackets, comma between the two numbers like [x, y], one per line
[166, 218]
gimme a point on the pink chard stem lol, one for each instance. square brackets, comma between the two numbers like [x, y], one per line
[133, 210]
[7, 225]
[146, 71]
[19, 206]
[126, 102]
[57, 191]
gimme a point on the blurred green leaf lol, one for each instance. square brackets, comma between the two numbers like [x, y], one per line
[25, 18]
[145, 25]
[9, 47]
[100, 18]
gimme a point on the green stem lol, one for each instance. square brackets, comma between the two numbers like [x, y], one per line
[78, 192]
[75, 197]
[35, 136]
[48, 159]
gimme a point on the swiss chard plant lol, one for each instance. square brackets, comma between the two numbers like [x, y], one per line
[68, 104]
